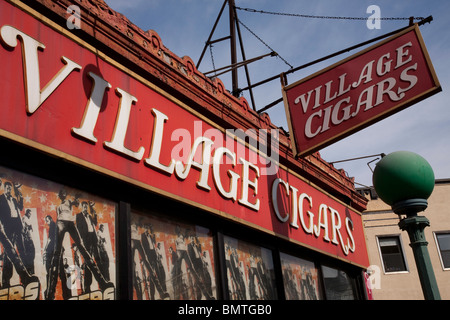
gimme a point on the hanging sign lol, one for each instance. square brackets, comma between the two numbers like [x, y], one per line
[359, 91]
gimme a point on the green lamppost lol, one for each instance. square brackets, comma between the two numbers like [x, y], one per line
[405, 180]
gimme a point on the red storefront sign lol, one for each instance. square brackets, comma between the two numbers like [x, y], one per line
[359, 91]
[64, 97]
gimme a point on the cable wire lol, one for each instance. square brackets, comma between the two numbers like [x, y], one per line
[212, 58]
[324, 17]
[257, 37]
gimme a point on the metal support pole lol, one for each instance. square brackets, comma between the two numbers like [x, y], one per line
[209, 42]
[415, 226]
[234, 72]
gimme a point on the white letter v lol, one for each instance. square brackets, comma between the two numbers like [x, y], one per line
[34, 96]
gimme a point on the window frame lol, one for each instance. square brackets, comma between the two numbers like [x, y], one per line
[328, 290]
[402, 250]
[288, 258]
[436, 234]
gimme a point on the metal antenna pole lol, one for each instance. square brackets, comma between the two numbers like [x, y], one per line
[208, 42]
[244, 58]
[234, 71]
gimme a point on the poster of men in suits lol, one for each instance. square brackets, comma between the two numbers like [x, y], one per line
[171, 260]
[300, 278]
[250, 271]
[56, 243]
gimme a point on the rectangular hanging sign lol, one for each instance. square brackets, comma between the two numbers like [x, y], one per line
[359, 91]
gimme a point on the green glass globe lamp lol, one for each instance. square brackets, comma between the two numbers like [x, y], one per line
[404, 180]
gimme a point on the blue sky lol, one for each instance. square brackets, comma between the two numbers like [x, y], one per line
[424, 128]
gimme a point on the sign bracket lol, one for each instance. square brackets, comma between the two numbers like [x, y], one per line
[332, 55]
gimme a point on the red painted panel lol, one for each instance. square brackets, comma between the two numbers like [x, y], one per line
[338, 229]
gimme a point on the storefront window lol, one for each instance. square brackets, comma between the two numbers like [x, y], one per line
[338, 285]
[171, 260]
[300, 278]
[250, 271]
[56, 242]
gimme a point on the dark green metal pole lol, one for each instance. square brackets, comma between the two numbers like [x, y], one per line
[415, 226]
[404, 180]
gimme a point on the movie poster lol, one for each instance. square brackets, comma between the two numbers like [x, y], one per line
[56, 243]
[300, 278]
[250, 271]
[171, 261]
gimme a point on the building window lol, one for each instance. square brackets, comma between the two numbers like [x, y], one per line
[337, 283]
[250, 271]
[443, 240]
[300, 278]
[65, 233]
[392, 254]
[171, 260]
